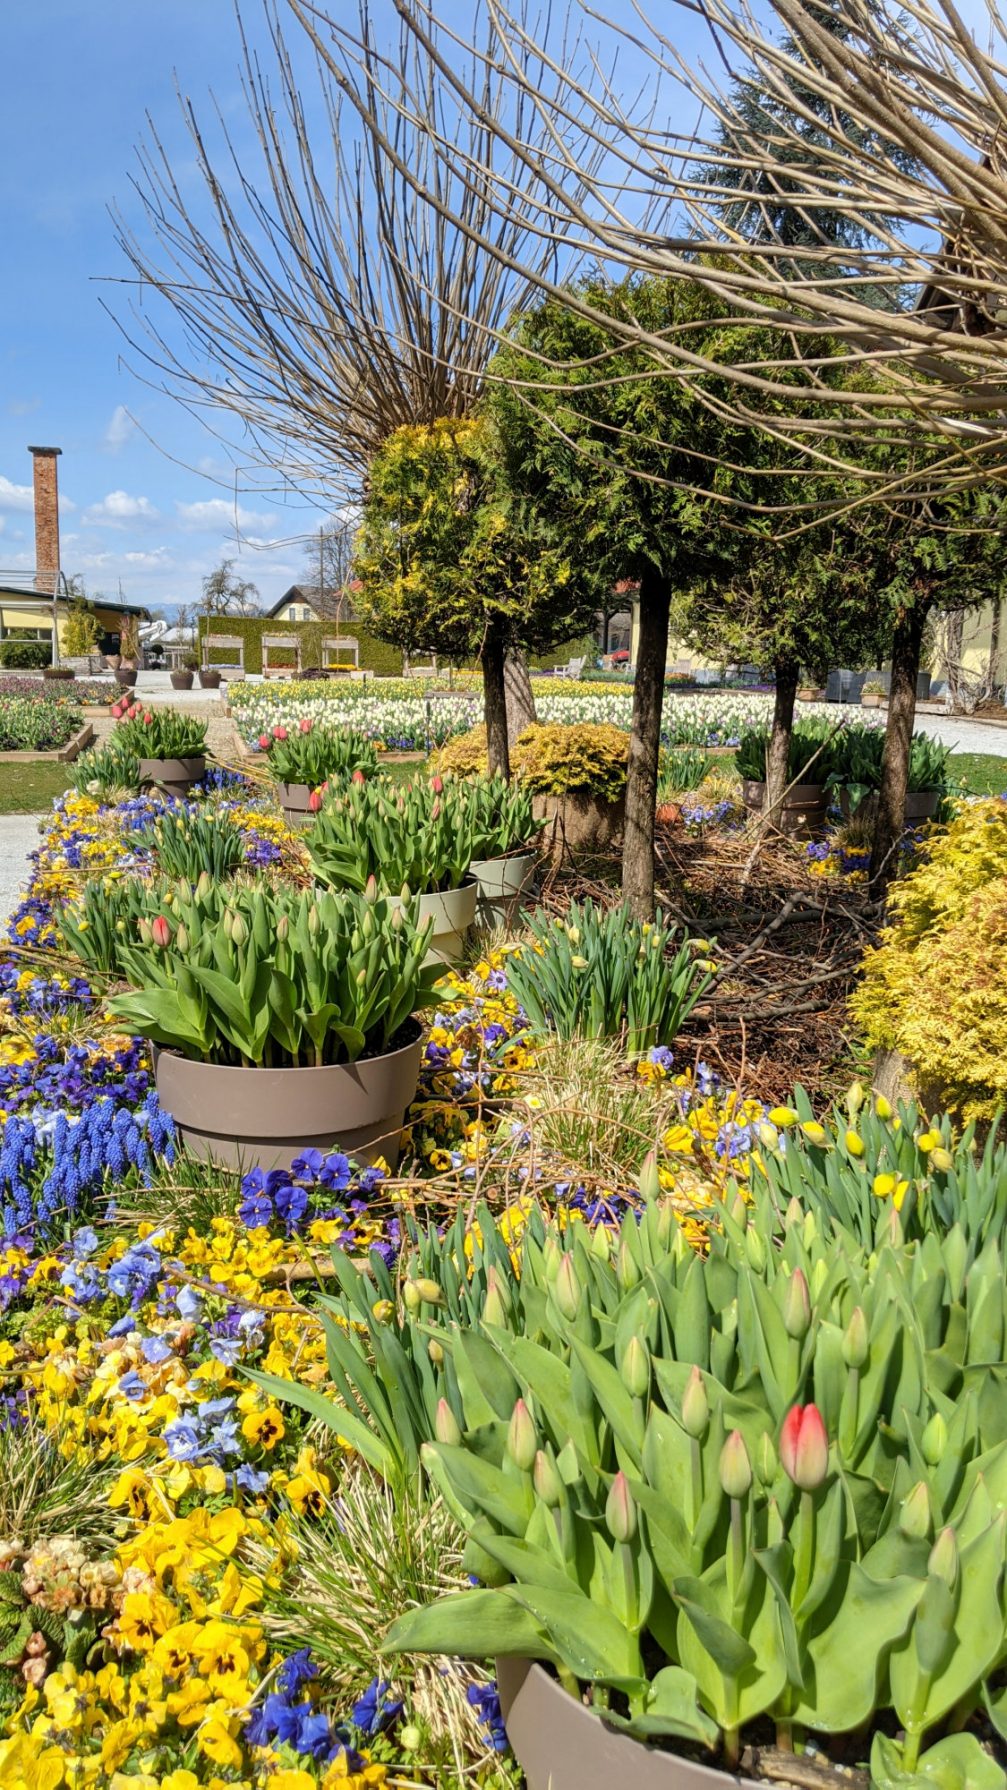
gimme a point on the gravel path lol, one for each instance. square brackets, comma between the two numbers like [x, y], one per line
[18, 837]
[965, 735]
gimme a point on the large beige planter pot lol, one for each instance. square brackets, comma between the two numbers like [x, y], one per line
[263, 1118]
[802, 810]
[579, 821]
[561, 1745]
[500, 884]
[172, 776]
[453, 912]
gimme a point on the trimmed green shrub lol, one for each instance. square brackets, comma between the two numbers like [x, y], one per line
[25, 655]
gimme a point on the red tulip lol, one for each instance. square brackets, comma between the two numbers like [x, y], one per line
[134, 711]
[117, 710]
[264, 742]
[315, 800]
[148, 719]
[804, 1447]
[160, 931]
[305, 725]
[279, 733]
[358, 777]
[437, 784]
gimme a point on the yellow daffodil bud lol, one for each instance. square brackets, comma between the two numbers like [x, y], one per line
[882, 1107]
[435, 1352]
[815, 1133]
[855, 1099]
[768, 1135]
[927, 1141]
[941, 1160]
[854, 1143]
[382, 1310]
[884, 1186]
[782, 1116]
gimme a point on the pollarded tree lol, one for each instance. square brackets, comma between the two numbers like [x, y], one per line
[449, 563]
[612, 454]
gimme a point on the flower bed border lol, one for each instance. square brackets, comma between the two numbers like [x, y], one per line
[62, 755]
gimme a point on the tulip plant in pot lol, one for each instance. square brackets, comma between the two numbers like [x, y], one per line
[414, 838]
[856, 773]
[741, 1510]
[813, 749]
[303, 758]
[503, 827]
[280, 1019]
[170, 748]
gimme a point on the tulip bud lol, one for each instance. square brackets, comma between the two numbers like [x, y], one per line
[143, 928]
[626, 1271]
[735, 1467]
[620, 1510]
[855, 1339]
[934, 1440]
[181, 938]
[239, 930]
[755, 1249]
[437, 784]
[649, 1180]
[283, 928]
[739, 1211]
[547, 1481]
[494, 1284]
[882, 1107]
[601, 1242]
[493, 1308]
[766, 1461]
[358, 777]
[695, 1405]
[305, 724]
[160, 932]
[315, 801]
[522, 1439]
[797, 1306]
[279, 733]
[313, 920]
[567, 1288]
[371, 889]
[943, 1561]
[804, 1447]
[914, 1517]
[794, 1213]
[446, 1425]
[636, 1368]
[435, 1352]
[552, 1255]
[204, 883]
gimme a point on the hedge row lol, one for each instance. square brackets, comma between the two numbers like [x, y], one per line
[375, 655]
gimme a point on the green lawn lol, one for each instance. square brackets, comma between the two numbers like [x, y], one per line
[978, 773]
[29, 788]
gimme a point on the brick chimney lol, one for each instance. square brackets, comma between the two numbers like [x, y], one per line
[46, 516]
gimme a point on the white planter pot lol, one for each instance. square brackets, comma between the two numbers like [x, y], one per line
[454, 912]
[500, 884]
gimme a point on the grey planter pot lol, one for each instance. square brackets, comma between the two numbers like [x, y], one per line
[500, 884]
[263, 1118]
[454, 911]
[173, 776]
[560, 1745]
[921, 804]
[802, 810]
[294, 799]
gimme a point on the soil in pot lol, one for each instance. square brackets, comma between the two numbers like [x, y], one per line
[578, 821]
[802, 810]
[500, 884]
[264, 1118]
[173, 776]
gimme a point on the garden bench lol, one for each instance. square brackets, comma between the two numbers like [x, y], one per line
[231, 643]
[287, 643]
[572, 668]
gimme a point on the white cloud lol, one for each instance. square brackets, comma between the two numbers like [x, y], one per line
[219, 514]
[119, 507]
[119, 428]
[15, 497]
[158, 557]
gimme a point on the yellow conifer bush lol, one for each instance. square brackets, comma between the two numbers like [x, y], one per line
[935, 987]
[550, 758]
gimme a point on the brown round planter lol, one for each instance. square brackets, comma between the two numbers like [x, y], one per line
[173, 776]
[294, 799]
[921, 804]
[126, 678]
[453, 911]
[802, 810]
[209, 680]
[561, 1745]
[500, 884]
[579, 821]
[263, 1118]
[181, 680]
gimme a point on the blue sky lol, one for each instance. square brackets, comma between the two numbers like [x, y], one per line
[149, 501]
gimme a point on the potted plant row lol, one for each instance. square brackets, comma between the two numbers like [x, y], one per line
[409, 838]
[170, 748]
[742, 1511]
[856, 773]
[280, 1019]
[813, 746]
[576, 776]
[303, 759]
[500, 820]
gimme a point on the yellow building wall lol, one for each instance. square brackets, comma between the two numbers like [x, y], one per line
[680, 657]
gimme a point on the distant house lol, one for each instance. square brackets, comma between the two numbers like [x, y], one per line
[307, 603]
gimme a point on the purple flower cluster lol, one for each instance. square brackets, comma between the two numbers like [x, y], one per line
[290, 1717]
[56, 1172]
[42, 996]
[485, 1699]
[290, 1199]
[261, 852]
[69, 1080]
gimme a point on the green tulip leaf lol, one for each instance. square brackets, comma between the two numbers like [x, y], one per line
[671, 1706]
[470, 1625]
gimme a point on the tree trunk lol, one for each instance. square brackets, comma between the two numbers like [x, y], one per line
[494, 655]
[778, 749]
[645, 745]
[906, 644]
[520, 700]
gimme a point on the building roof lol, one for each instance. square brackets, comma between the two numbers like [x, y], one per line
[323, 605]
